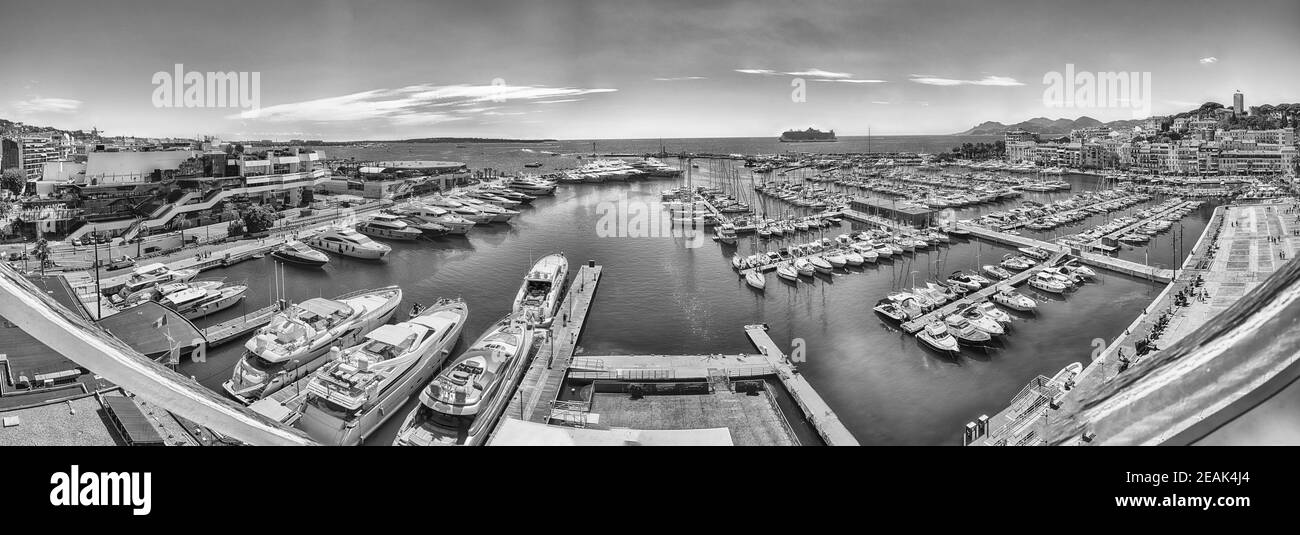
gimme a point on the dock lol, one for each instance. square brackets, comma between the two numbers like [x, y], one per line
[1114, 236]
[1093, 259]
[541, 383]
[944, 311]
[819, 414]
[230, 329]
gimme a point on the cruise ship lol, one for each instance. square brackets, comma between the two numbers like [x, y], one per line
[807, 136]
[540, 293]
[297, 340]
[355, 393]
[463, 402]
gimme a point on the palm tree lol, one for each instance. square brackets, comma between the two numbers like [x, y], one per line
[42, 253]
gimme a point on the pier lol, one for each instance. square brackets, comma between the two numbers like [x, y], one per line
[981, 295]
[1093, 259]
[1113, 237]
[541, 383]
[819, 414]
[231, 329]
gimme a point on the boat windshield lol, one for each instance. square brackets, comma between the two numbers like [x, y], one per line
[265, 366]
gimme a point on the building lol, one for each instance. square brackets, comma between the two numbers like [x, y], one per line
[1238, 103]
[387, 180]
[1018, 136]
[34, 150]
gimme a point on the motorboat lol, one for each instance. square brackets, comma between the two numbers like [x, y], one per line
[726, 233]
[455, 224]
[1035, 253]
[295, 342]
[540, 294]
[1081, 270]
[936, 336]
[976, 317]
[389, 227]
[197, 302]
[1016, 263]
[804, 267]
[907, 303]
[146, 277]
[1008, 297]
[296, 252]
[996, 272]
[821, 265]
[787, 272]
[495, 213]
[755, 279]
[853, 259]
[160, 291]
[737, 262]
[363, 386]
[890, 310]
[1045, 282]
[965, 332]
[532, 186]
[461, 210]
[975, 277]
[960, 279]
[923, 298]
[836, 260]
[865, 251]
[348, 242]
[942, 291]
[426, 225]
[463, 402]
[991, 310]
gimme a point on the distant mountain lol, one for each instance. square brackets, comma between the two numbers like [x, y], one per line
[1040, 125]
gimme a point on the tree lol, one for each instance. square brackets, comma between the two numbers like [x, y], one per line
[42, 253]
[13, 180]
[258, 219]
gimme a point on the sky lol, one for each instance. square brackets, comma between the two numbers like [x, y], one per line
[352, 70]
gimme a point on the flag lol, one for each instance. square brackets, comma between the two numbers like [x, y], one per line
[160, 322]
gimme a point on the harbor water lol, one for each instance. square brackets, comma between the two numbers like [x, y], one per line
[660, 296]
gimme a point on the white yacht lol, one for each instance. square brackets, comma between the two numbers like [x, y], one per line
[1008, 297]
[497, 213]
[1045, 282]
[196, 302]
[389, 227]
[296, 252]
[352, 395]
[297, 339]
[455, 224]
[937, 337]
[532, 186]
[146, 277]
[755, 279]
[464, 401]
[541, 291]
[348, 242]
[461, 210]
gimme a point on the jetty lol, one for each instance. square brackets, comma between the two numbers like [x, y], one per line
[234, 328]
[1093, 259]
[818, 413]
[1111, 239]
[541, 383]
[981, 295]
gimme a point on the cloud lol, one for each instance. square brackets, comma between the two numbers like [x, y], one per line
[818, 73]
[987, 80]
[47, 105]
[850, 81]
[1209, 60]
[883, 102]
[756, 71]
[679, 78]
[415, 104]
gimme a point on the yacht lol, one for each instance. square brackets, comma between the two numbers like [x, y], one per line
[540, 293]
[1045, 282]
[352, 395]
[836, 259]
[295, 342]
[997, 272]
[456, 225]
[1016, 263]
[961, 279]
[1080, 270]
[426, 225]
[348, 242]
[787, 272]
[163, 290]
[907, 303]
[1035, 253]
[937, 337]
[820, 264]
[464, 401]
[890, 310]
[532, 186]
[966, 333]
[461, 210]
[992, 311]
[388, 227]
[853, 259]
[296, 252]
[497, 213]
[1008, 297]
[976, 317]
[726, 234]
[804, 267]
[196, 302]
[145, 278]
[755, 279]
